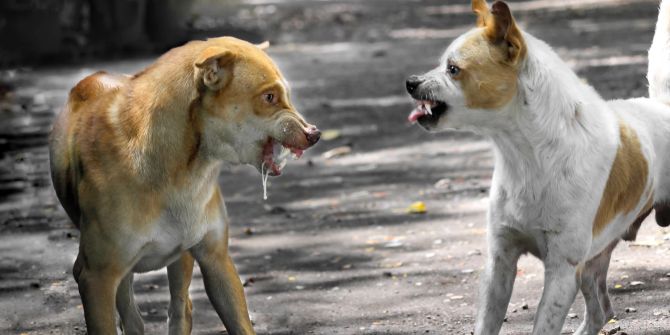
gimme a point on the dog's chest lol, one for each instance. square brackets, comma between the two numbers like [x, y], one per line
[516, 206]
[179, 228]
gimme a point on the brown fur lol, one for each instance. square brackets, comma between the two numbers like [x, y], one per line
[127, 150]
[489, 76]
[487, 81]
[626, 182]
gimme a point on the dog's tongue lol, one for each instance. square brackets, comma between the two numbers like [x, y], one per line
[416, 114]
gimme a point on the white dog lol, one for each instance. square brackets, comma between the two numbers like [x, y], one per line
[574, 174]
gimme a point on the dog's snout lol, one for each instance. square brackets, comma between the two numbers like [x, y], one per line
[313, 135]
[412, 83]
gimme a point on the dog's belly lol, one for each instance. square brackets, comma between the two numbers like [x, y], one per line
[169, 238]
[154, 259]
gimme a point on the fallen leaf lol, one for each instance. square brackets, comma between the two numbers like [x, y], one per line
[330, 134]
[337, 152]
[418, 207]
[443, 183]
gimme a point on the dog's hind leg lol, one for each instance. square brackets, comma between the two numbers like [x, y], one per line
[594, 289]
[179, 313]
[130, 318]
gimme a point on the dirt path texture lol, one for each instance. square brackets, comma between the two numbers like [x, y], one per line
[334, 250]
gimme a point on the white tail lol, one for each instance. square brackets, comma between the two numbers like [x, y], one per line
[658, 73]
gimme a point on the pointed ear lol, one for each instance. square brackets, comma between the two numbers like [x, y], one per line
[501, 27]
[480, 8]
[211, 67]
[263, 45]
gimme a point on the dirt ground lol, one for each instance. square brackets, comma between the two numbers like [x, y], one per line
[333, 250]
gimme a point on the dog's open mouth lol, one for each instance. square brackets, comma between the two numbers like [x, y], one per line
[427, 111]
[276, 154]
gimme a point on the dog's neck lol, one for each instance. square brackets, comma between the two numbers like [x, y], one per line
[163, 106]
[552, 114]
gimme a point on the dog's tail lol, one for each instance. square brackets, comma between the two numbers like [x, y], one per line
[658, 73]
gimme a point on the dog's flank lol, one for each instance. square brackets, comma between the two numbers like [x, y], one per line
[573, 175]
[626, 182]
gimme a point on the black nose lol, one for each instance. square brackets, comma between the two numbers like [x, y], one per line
[412, 83]
[313, 135]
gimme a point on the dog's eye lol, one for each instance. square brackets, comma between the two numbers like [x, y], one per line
[453, 70]
[270, 98]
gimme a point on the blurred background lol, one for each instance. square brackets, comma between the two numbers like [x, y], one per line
[338, 247]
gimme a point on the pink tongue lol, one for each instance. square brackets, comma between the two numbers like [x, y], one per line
[416, 114]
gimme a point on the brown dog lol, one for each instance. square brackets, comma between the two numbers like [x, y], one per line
[135, 161]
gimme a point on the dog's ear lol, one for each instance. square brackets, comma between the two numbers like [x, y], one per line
[212, 67]
[481, 8]
[501, 28]
[263, 45]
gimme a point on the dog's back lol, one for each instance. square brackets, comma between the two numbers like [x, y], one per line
[66, 168]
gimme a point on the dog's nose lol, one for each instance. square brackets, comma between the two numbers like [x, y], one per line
[412, 83]
[313, 135]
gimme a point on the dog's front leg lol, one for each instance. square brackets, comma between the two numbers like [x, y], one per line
[497, 282]
[222, 283]
[561, 280]
[179, 314]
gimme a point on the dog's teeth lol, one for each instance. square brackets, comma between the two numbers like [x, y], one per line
[429, 111]
[276, 149]
[282, 163]
[283, 153]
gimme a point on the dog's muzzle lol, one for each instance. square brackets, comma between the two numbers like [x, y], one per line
[427, 112]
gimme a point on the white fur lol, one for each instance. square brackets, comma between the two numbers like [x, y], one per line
[659, 58]
[554, 145]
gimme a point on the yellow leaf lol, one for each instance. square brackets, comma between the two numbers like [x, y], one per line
[337, 152]
[418, 207]
[618, 286]
[330, 134]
